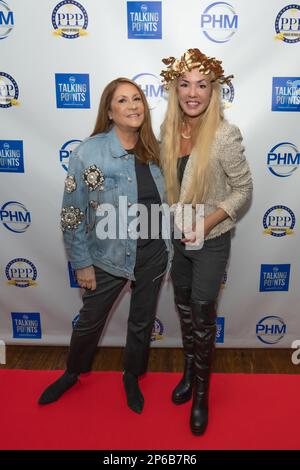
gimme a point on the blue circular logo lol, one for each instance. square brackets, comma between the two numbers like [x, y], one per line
[66, 151]
[15, 217]
[157, 331]
[152, 87]
[21, 272]
[279, 221]
[283, 159]
[270, 329]
[9, 91]
[227, 94]
[287, 24]
[219, 22]
[6, 20]
[69, 19]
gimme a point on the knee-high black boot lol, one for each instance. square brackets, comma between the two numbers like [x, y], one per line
[183, 391]
[204, 324]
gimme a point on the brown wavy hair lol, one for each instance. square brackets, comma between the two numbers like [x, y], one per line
[146, 148]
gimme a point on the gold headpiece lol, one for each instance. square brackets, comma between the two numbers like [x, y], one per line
[193, 58]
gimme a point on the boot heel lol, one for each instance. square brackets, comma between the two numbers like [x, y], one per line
[199, 421]
[199, 412]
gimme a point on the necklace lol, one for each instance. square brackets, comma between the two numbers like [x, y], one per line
[183, 135]
[187, 137]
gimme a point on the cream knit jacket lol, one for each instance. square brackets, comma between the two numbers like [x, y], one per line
[231, 184]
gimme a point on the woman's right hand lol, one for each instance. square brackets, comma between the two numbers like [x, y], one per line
[86, 277]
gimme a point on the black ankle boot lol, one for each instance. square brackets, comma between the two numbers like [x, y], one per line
[135, 399]
[184, 389]
[58, 388]
[204, 324]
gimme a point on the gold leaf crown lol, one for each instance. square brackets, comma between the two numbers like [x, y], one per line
[193, 58]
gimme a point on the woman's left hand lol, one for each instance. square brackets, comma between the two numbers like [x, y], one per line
[197, 233]
[209, 222]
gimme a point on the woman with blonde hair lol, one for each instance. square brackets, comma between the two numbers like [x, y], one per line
[203, 164]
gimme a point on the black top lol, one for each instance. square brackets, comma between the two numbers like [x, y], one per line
[181, 164]
[147, 195]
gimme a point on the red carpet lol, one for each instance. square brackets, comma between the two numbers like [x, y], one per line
[247, 412]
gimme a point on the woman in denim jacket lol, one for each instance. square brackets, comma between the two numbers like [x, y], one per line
[109, 174]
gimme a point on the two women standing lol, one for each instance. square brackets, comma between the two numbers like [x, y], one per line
[203, 162]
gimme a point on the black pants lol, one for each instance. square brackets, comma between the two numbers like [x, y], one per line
[201, 270]
[98, 303]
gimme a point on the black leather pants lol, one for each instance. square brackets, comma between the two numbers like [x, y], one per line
[97, 305]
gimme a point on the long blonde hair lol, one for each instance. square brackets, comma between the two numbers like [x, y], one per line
[147, 148]
[202, 140]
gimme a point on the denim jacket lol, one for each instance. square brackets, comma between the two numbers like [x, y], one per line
[100, 171]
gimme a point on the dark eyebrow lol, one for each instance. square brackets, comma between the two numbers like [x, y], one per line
[126, 96]
[199, 81]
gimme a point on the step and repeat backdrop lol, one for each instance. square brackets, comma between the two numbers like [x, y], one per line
[55, 59]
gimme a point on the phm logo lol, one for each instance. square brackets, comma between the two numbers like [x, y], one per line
[9, 91]
[157, 331]
[283, 159]
[15, 217]
[6, 20]
[66, 151]
[270, 329]
[219, 22]
[287, 24]
[152, 87]
[279, 221]
[69, 20]
[21, 272]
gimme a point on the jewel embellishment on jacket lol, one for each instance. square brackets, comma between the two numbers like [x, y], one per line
[94, 204]
[70, 184]
[93, 178]
[70, 218]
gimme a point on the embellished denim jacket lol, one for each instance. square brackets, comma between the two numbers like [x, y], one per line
[100, 171]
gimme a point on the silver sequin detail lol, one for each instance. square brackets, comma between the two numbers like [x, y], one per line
[93, 178]
[70, 184]
[70, 218]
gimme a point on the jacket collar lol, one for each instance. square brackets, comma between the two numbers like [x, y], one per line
[115, 145]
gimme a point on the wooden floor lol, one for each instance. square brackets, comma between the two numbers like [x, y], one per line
[273, 361]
